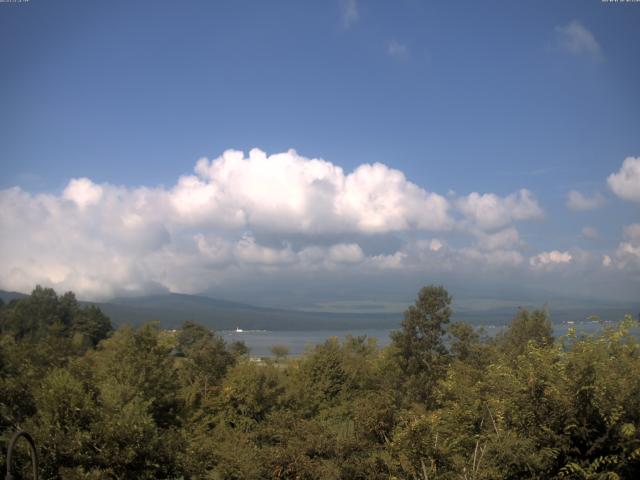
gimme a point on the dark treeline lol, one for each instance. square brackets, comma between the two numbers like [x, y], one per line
[440, 402]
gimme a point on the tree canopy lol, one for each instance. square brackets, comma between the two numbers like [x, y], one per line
[442, 401]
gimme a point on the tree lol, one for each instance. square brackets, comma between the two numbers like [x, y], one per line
[91, 325]
[249, 392]
[204, 361]
[134, 364]
[280, 352]
[466, 345]
[419, 349]
[64, 421]
[44, 315]
[35, 316]
[526, 327]
[136, 385]
[238, 348]
[322, 376]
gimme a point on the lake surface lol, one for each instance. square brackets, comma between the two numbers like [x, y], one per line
[261, 341]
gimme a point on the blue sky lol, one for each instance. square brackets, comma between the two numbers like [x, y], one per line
[461, 97]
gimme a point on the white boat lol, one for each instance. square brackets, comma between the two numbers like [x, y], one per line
[239, 330]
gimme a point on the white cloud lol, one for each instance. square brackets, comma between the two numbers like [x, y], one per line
[579, 202]
[346, 253]
[103, 240]
[628, 249]
[626, 182]
[394, 261]
[349, 12]
[261, 218]
[435, 256]
[574, 38]
[83, 192]
[627, 255]
[489, 211]
[553, 257]
[213, 249]
[502, 239]
[290, 193]
[397, 50]
[248, 251]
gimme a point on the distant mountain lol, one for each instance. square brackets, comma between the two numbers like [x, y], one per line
[6, 297]
[171, 310]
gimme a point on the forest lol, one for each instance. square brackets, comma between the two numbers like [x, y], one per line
[442, 401]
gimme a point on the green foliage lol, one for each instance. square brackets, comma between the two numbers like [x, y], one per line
[419, 346]
[280, 351]
[206, 359]
[249, 392]
[91, 325]
[44, 314]
[152, 404]
[321, 376]
[526, 327]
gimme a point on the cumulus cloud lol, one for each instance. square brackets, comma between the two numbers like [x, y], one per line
[554, 257]
[490, 211]
[290, 193]
[626, 182]
[627, 255]
[395, 261]
[576, 39]
[346, 253]
[580, 202]
[102, 240]
[240, 218]
[83, 192]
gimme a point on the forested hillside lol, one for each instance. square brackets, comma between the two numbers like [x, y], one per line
[441, 402]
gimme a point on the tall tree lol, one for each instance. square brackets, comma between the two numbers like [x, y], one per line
[419, 348]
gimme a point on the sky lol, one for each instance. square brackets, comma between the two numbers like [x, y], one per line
[298, 153]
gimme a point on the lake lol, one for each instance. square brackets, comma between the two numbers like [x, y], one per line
[261, 341]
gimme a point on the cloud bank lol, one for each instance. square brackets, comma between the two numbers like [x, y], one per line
[241, 218]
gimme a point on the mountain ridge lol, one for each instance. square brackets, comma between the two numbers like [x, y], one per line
[173, 309]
